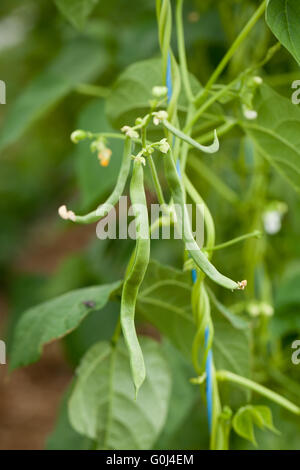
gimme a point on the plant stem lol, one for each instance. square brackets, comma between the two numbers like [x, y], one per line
[117, 333]
[181, 52]
[185, 146]
[255, 234]
[159, 192]
[224, 375]
[160, 195]
[164, 16]
[211, 101]
[114, 135]
[92, 90]
[209, 221]
[234, 47]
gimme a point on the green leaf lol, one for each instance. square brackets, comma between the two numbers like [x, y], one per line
[243, 424]
[245, 418]
[102, 405]
[262, 416]
[165, 301]
[96, 181]
[76, 11]
[79, 61]
[124, 106]
[287, 301]
[63, 436]
[235, 320]
[231, 345]
[283, 18]
[287, 291]
[54, 319]
[183, 395]
[276, 133]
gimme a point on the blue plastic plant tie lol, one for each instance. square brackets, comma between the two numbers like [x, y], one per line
[169, 78]
[178, 168]
[208, 364]
[209, 382]
[194, 275]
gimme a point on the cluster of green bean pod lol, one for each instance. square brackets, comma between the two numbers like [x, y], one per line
[140, 258]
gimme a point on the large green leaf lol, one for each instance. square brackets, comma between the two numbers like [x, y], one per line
[231, 346]
[287, 291]
[287, 302]
[76, 11]
[165, 301]
[283, 18]
[276, 133]
[130, 95]
[103, 405]
[80, 61]
[54, 319]
[95, 180]
[183, 395]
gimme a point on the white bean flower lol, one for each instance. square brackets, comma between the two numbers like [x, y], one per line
[159, 91]
[130, 132]
[164, 146]
[65, 214]
[159, 116]
[272, 222]
[249, 114]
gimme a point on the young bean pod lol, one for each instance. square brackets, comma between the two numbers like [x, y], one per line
[102, 210]
[213, 148]
[135, 274]
[198, 256]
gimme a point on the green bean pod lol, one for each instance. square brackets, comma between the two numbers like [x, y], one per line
[135, 274]
[213, 148]
[198, 256]
[201, 312]
[102, 210]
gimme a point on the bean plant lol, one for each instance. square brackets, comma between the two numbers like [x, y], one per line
[171, 127]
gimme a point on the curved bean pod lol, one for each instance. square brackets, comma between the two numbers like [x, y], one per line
[102, 210]
[198, 256]
[213, 148]
[135, 274]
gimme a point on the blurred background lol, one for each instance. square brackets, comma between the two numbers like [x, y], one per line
[57, 79]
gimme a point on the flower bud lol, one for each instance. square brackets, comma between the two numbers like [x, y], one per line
[78, 135]
[249, 114]
[130, 132]
[65, 214]
[164, 146]
[159, 116]
[104, 156]
[159, 91]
